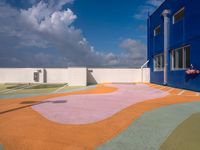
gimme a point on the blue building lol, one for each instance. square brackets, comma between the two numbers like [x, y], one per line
[174, 44]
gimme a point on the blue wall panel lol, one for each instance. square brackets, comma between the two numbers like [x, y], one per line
[184, 32]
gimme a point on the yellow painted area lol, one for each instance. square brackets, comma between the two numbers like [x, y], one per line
[107, 83]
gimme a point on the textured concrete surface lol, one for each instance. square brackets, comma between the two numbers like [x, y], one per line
[153, 128]
[186, 136]
[84, 109]
[22, 128]
[1, 147]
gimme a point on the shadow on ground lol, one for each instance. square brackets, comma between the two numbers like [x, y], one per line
[31, 103]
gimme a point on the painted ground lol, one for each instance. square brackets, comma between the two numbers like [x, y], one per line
[9, 91]
[157, 126]
[85, 109]
[110, 117]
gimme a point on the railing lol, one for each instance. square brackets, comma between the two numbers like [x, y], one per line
[142, 69]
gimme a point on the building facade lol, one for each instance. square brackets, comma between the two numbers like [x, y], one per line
[174, 44]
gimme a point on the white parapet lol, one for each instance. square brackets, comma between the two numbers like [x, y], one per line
[57, 75]
[74, 76]
[77, 76]
[116, 75]
[20, 75]
[146, 75]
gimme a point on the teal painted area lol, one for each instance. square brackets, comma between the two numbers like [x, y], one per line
[1, 147]
[20, 95]
[152, 129]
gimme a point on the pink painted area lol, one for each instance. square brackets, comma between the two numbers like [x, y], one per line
[84, 109]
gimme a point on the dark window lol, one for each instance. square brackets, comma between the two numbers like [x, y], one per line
[179, 15]
[180, 58]
[187, 53]
[173, 60]
[157, 30]
[159, 62]
[36, 76]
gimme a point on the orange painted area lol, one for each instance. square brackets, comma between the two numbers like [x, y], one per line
[170, 90]
[189, 93]
[166, 89]
[173, 91]
[25, 129]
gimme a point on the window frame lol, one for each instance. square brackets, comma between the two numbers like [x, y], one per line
[162, 62]
[184, 58]
[154, 31]
[177, 12]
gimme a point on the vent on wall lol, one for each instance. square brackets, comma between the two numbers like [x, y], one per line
[36, 76]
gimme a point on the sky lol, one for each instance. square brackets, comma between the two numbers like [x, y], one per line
[81, 33]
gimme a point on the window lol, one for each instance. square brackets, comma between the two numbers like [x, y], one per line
[157, 30]
[159, 62]
[180, 58]
[179, 15]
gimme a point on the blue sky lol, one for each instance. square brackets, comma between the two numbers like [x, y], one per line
[105, 23]
[62, 33]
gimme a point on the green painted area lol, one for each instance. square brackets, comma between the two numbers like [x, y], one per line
[42, 90]
[46, 86]
[15, 86]
[186, 136]
[4, 87]
[68, 88]
[152, 129]
[27, 89]
[1, 147]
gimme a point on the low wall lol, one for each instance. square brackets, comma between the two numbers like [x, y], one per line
[20, 75]
[73, 76]
[57, 75]
[77, 76]
[114, 75]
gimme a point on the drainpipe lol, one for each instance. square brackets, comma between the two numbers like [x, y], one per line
[166, 17]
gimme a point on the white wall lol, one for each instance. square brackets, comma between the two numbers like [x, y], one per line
[146, 75]
[19, 75]
[74, 76]
[77, 76]
[57, 75]
[26, 75]
[112, 75]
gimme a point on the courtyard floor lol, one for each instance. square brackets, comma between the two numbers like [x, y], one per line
[102, 117]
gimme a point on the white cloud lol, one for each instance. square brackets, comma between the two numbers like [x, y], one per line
[147, 8]
[42, 17]
[134, 52]
[29, 35]
[155, 3]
